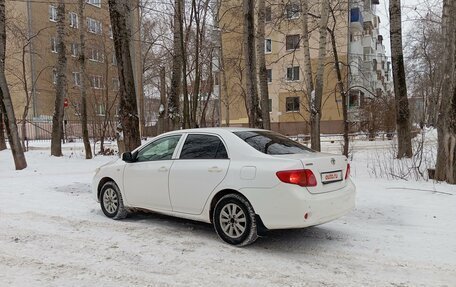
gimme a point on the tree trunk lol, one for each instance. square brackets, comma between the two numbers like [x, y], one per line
[340, 87]
[6, 105]
[176, 85]
[400, 87]
[262, 71]
[82, 64]
[308, 73]
[2, 132]
[446, 124]
[60, 87]
[119, 11]
[250, 66]
[317, 95]
[162, 110]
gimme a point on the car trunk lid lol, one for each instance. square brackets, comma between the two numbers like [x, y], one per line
[329, 169]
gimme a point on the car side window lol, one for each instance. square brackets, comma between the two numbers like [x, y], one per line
[203, 147]
[161, 149]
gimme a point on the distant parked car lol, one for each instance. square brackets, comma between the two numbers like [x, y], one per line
[243, 181]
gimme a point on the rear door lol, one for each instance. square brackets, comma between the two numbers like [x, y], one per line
[202, 165]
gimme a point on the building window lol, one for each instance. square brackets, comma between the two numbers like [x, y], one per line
[54, 44]
[75, 50]
[94, 26]
[101, 109]
[54, 76]
[292, 11]
[114, 59]
[96, 82]
[216, 78]
[96, 3]
[74, 20]
[52, 13]
[292, 104]
[268, 14]
[115, 84]
[77, 79]
[353, 99]
[96, 55]
[269, 75]
[293, 73]
[111, 35]
[292, 42]
[270, 105]
[267, 45]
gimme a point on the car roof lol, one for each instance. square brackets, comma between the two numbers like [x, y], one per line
[216, 130]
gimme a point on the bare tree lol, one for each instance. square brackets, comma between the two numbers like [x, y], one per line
[340, 82]
[316, 95]
[6, 105]
[162, 112]
[446, 125]
[2, 133]
[262, 71]
[60, 88]
[176, 85]
[250, 65]
[82, 65]
[400, 87]
[119, 11]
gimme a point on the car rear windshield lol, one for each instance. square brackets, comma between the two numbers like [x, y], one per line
[272, 143]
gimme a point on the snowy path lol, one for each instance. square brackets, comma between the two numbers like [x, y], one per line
[53, 234]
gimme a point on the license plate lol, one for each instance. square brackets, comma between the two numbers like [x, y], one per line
[329, 177]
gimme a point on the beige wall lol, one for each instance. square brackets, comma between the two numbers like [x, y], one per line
[44, 59]
[279, 60]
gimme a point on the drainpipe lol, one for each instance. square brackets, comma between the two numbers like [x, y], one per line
[32, 58]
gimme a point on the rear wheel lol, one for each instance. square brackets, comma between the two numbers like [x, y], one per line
[234, 220]
[111, 201]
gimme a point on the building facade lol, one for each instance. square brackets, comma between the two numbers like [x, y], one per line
[32, 57]
[370, 67]
[289, 108]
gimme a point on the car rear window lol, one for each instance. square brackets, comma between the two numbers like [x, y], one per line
[272, 143]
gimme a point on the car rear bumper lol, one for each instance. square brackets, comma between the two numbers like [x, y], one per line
[285, 206]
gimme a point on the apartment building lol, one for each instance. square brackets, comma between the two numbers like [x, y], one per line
[32, 57]
[370, 67]
[289, 109]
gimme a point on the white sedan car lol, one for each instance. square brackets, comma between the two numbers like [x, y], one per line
[243, 181]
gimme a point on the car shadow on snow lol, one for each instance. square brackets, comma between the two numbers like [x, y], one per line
[287, 240]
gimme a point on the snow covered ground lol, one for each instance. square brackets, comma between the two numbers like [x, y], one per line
[52, 233]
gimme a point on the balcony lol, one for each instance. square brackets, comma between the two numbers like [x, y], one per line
[356, 19]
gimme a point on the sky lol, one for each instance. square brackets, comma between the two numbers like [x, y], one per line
[408, 13]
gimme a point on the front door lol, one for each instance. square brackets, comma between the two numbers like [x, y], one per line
[146, 179]
[202, 165]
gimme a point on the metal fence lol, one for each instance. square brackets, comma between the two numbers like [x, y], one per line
[72, 130]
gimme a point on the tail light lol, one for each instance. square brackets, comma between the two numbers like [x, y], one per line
[348, 171]
[301, 177]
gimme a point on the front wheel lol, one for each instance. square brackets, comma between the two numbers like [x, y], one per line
[111, 201]
[234, 220]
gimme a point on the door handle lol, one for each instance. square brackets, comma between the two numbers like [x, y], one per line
[162, 169]
[215, 169]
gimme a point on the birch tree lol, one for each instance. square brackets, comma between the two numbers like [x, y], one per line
[60, 86]
[400, 87]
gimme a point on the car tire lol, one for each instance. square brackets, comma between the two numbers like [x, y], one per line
[234, 220]
[111, 201]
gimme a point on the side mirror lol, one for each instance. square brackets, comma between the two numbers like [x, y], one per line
[128, 157]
